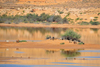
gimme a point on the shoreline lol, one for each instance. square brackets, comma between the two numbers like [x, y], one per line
[50, 26]
[48, 44]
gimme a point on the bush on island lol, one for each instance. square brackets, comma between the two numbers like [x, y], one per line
[70, 34]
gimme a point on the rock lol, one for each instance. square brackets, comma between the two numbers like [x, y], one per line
[7, 40]
[7, 49]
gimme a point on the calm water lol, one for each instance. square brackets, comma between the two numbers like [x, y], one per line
[24, 57]
[89, 36]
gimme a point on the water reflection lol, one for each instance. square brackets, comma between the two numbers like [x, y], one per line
[95, 30]
[72, 53]
[88, 36]
[35, 56]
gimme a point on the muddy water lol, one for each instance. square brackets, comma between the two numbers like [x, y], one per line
[89, 36]
[48, 57]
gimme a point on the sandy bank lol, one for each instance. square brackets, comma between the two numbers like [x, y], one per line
[48, 44]
[51, 25]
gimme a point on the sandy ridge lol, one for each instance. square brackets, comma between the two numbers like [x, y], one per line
[51, 25]
[48, 44]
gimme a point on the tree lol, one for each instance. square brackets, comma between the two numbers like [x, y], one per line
[72, 35]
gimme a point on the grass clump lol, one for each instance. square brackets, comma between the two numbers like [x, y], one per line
[62, 43]
[22, 41]
[98, 13]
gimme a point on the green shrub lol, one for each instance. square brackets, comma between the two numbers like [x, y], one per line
[72, 34]
[81, 18]
[94, 23]
[25, 21]
[77, 19]
[50, 19]
[80, 43]
[31, 18]
[4, 15]
[22, 41]
[23, 11]
[80, 13]
[69, 19]
[98, 13]
[96, 17]
[57, 18]
[43, 17]
[67, 14]
[83, 23]
[62, 43]
[64, 20]
[60, 12]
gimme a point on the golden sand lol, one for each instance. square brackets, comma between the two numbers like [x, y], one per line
[48, 44]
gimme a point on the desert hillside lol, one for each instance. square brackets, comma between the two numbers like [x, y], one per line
[50, 3]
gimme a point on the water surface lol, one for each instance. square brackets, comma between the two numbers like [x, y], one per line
[35, 57]
[89, 36]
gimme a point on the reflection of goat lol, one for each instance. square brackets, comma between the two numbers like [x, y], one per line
[74, 58]
[53, 38]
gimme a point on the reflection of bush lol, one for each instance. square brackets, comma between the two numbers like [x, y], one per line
[33, 30]
[62, 43]
[49, 52]
[94, 29]
[70, 53]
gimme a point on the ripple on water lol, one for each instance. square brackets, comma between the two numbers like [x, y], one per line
[89, 51]
[12, 65]
[88, 57]
[64, 63]
[1, 52]
[18, 52]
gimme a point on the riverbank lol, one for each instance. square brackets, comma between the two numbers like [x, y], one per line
[50, 25]
[48, 44]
